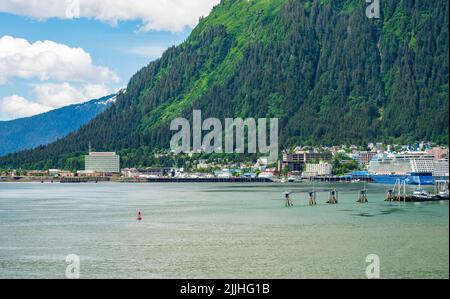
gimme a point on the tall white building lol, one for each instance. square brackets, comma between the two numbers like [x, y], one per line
[103, 162]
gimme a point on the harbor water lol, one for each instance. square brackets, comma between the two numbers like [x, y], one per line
[217, 230]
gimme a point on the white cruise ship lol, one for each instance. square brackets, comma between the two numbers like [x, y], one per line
[412, 167]
[441, 169]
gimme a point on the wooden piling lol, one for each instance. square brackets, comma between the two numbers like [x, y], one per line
[289, 203]
[389, 195]
[362, 197]
[333, 198]
[398, 193]
[312, 198]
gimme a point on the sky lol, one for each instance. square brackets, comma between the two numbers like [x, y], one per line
[55, 53]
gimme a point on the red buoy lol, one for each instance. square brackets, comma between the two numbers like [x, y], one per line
[139, 216]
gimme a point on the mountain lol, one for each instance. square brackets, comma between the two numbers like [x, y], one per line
[42, 129]
[329, 73]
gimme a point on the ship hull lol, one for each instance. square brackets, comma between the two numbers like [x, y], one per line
[411, 179]
[420, 179]
[387, 179]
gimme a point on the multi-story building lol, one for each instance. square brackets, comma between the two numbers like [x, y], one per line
[320, 169]
[297, 160]
[438, 152]
[365, 157]
[102, 162]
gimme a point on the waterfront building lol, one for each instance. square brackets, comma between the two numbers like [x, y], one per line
[320, 169]
[66, 174]
[155, 172]
[102, 162]
[365, 157]
[438, 152]
[130, 172]
[297, 160]
[54, 172]
[223, 175]
[37, 173]
[266, 174]
[204, 165]
[87, 173]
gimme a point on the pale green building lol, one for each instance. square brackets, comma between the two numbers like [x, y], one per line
[103, 162]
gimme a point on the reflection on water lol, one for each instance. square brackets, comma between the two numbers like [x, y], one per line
[216, 231]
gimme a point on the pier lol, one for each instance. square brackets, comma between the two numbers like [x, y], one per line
[78, 180]
[341, 179]
[208, 180]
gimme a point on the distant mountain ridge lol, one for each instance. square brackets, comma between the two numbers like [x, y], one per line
[45, 128]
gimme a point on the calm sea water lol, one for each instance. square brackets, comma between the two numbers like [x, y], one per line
[216, 231]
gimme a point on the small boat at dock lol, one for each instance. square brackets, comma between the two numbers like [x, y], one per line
[443, 195]
[421, 195]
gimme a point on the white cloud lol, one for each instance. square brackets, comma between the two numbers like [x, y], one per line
[59, 95]
[149, 51]
[48, 60]
[48, 97]
[172, 15]
[15, 106]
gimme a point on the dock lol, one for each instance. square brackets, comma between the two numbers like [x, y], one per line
[341, 179]
[78, 180]
[432, 198]
[208, 180]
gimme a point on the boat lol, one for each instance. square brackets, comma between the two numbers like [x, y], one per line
[294, 179]
[421, 194]
[414, 168]
[443, 195]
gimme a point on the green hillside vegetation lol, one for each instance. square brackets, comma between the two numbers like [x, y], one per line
[328, 72]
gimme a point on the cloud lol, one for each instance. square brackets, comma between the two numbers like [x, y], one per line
[15, 106]
[47, 60]
[149, 51]
[48, 97]
[170, 15]
[59, 95]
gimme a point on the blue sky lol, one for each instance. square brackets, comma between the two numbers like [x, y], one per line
[84, 57]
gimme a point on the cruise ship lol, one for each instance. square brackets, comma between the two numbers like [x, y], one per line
[414, 168]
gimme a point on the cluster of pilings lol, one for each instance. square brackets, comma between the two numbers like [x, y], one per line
[333, 198]
[362, 196]
[398, 193]
[289, 202]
